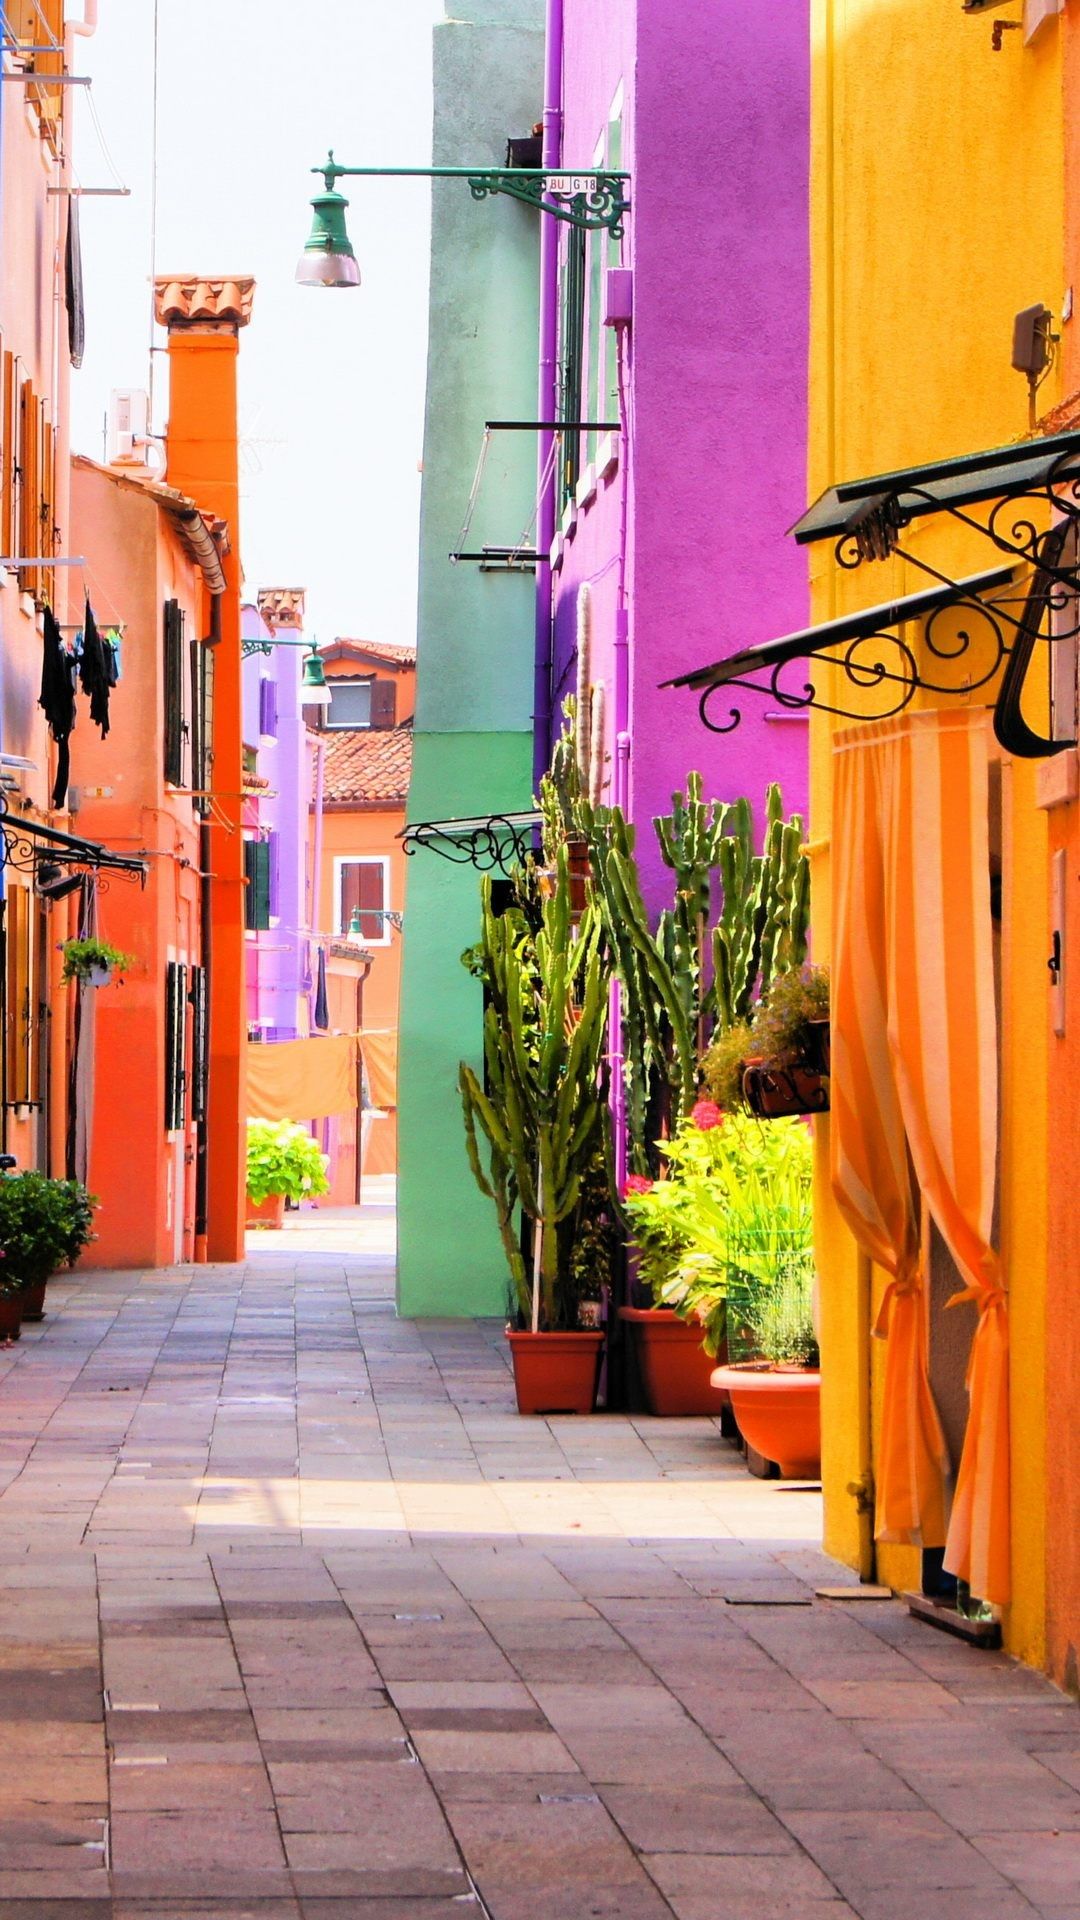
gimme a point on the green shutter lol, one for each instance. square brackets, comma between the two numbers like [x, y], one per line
[257, 875]
[573, 345]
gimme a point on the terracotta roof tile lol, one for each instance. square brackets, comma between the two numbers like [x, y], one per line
[367, 766]
[345, 649]
[180, 300]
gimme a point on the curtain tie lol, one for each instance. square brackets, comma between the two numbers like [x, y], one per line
[985, 1297]
[905, 1282]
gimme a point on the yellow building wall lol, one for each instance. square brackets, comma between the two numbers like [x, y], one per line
[937, 213]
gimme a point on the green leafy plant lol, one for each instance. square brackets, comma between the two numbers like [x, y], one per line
[82, 957]
[44, 1224]
[722, 1067]
[542, 1111]
[782, 1023]
[730, 1224]
[283, 1158]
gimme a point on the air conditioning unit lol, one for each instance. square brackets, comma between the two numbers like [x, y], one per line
[129, 422]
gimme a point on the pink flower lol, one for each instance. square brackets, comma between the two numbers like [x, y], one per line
[706, 1115]
[636, 1183]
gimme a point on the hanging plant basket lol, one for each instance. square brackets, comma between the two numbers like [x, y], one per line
[94, 961]
[776, 1089]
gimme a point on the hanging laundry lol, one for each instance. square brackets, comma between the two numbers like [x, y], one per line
[57, 698]
[322, 1005]
[97, 670]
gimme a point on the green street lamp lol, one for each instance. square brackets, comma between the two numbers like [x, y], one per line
[314, 691]
[580, 199]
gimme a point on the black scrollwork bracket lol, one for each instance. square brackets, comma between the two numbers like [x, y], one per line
[28, 846]
[495, 845]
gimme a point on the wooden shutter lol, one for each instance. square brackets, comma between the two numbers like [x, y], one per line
[200, 1043]
[268, 708]
[573, 347]
[173, 685]
[363, 884]
[257, 893]
[175, 1037]
[47, 508]
[383, 703]
[29, 488]
[21, 1012]
[202, 681]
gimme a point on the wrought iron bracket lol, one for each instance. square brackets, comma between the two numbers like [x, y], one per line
[496, 844]
[26, 845]
[590, 198]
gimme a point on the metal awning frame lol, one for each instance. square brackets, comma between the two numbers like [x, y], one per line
[491, 843]
[26, 845]
[1034, 524]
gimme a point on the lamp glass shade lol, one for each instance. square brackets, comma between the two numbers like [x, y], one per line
[314, 691]
[328, 259]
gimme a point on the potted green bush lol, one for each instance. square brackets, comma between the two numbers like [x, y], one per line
[541, 1116]
[44, 1224]
[94, 960]
[283, 1163]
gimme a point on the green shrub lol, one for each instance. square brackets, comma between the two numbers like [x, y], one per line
[81, 956]
[283, 1158]
[44, 1224]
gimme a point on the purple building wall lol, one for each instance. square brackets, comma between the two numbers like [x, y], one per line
[715, 131]
[277, 969]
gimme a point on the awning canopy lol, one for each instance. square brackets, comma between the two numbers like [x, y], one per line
[809, 641]
[27, 844]
[494, 842]
[944, 485]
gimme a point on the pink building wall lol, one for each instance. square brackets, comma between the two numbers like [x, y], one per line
[715, 131]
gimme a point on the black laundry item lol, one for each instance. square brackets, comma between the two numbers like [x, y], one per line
[97, 671]
[322, 1005]
[57, 699]
[73, 285]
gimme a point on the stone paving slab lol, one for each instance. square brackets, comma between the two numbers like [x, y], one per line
[302, 1622]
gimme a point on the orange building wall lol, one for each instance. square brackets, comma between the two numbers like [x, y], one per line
[143, 1175]
[1063, 1265]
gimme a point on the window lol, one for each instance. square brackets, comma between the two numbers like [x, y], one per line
[571, 352]
[200, 1043]
[257, 891]
[364, 884]
[40, 23]
[202, 717]
[268, 720]
[175, 1045]
[176, 728]
[23, 1015]
[350, 703]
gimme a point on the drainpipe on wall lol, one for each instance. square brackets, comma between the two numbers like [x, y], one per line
[316, 864]
[547, 397]
[621, 719]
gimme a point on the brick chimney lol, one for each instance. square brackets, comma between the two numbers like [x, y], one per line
[204, 318]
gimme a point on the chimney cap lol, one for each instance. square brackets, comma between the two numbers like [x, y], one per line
[186, 300]
[281, 606]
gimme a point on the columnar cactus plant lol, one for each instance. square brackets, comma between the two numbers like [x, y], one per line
[543, 1110]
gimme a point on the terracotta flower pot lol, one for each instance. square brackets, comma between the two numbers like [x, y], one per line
[555, 1372]
[11, 1312]
[33, 1299]
[266, 1213]
[676, 1370]
[779, 1414]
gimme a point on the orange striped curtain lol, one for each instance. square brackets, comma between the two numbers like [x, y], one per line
[915, 1076]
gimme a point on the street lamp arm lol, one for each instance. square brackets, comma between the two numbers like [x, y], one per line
[590, 198]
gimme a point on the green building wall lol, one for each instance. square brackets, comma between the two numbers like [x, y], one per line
[473, 728]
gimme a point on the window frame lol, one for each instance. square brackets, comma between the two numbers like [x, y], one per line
[343, 860]
[334, 681]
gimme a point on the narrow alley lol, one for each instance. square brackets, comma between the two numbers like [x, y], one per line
[302, 1622]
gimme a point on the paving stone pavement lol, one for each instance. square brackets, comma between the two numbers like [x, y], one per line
[301, 1622]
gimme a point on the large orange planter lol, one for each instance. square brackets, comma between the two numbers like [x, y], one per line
[675, 1368]
[266, 1213]
[11, 1312]
[778, 1410]
[555, 1372]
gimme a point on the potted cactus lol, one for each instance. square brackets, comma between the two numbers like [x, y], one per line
[534, 1130]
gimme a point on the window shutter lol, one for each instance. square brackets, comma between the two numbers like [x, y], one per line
[573, 344]
[8, 437]
[273, 878]
[175, 1075]
[173, 677]
[49, 540]
[363, 884]
[257, 893]
[29, 488]
[21, 1013]
[200, 1043]
[383, 703]
[268, 709]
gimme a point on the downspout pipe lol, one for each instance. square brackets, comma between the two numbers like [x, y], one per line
[547, 395]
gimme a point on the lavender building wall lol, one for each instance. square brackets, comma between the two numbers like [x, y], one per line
[710, 107]
[278, 958]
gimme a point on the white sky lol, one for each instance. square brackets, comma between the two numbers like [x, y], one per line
[250, 95]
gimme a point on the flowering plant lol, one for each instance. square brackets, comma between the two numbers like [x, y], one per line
[731, 1222]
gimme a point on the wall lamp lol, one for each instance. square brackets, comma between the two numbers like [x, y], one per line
[589, 200]
[314, 691]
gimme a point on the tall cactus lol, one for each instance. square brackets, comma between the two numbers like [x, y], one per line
[542, 1112]
[676, 992]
